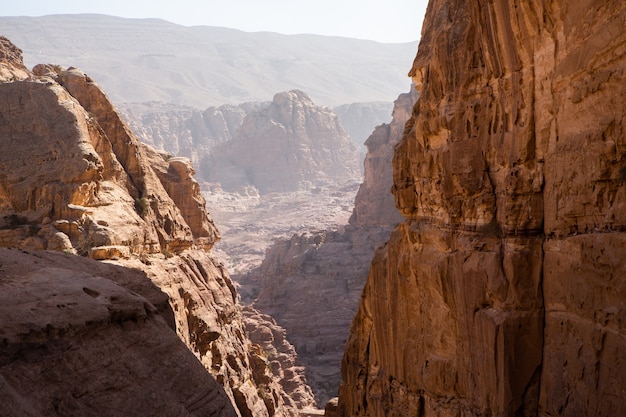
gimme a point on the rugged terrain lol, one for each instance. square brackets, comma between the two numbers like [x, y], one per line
[502, 292]
[310, 283]
[290, 145]
[75, 180]
[146, 60]
[190, 132]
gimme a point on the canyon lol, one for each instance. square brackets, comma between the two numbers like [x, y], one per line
[502, 291]
[145, 296]
[497, 283]
[310, 283]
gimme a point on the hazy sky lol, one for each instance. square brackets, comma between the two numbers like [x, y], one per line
[383, 21]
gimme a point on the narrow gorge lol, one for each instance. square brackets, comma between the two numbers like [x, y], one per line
[480, 270]
[97, 333]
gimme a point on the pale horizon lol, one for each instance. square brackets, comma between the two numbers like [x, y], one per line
[394, 21]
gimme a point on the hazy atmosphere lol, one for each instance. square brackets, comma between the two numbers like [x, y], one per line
[389, 21]
[282, 208]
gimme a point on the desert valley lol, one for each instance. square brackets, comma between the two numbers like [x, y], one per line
[204, 221]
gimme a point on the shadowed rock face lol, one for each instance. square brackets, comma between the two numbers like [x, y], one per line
[311, 283]
[502, 291]
[74, 179]
[77, 341]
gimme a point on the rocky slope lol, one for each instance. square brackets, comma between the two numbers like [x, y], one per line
[502, 292]
[290, 145]
[146, 60]
[75, 179]
[186, 131]
[189, 132]
[84, 338]
[311, 283]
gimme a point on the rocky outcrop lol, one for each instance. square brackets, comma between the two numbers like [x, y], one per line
[186, 131]
[311, 283]
[86, 338]
[281, 355]
[192, 133]
[289, 145]
[374, 204]
[502, 291]
[74, 178]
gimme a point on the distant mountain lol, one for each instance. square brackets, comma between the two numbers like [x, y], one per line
[141, 60]
[289, 145]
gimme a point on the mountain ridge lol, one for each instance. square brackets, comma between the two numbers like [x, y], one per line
[203, 65]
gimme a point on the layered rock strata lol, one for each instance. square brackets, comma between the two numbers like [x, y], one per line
[502, 292]
[75, 179]
[311, 283]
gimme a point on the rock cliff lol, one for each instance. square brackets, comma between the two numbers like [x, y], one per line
[75, 179]
[190, 132]
[289, 145]
[186, 131]
[502, 292]
[311, 283]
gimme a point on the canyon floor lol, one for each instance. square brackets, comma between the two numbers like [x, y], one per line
[249, 223]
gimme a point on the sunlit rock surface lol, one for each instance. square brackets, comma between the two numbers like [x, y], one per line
[502, 293]
[81, 337]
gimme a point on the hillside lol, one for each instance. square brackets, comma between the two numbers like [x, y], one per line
[142, 60]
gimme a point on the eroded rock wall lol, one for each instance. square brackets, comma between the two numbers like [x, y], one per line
[502, 292]
[75, 179]
[292, 144]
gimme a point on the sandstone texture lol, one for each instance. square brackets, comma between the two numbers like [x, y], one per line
[77, 341]
[289, 145]
[75, 179]
[502, 292]
[311, 283]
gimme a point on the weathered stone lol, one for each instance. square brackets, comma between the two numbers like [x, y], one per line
[289, 145]
[501, 292]
[75, 179]
[75, 342]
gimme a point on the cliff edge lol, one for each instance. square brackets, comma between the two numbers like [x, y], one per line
[82, 337]
[502, 292]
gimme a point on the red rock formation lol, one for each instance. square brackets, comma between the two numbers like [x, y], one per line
[74, 178]
[502, 293]
[81, 337]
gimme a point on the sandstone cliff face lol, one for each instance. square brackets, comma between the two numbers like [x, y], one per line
[311, 283]
[289, 145]
[502, 293]
[73, 178]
